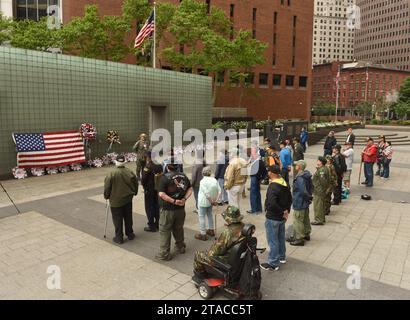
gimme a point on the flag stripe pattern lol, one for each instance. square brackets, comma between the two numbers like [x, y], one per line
[146, 31]
[49, 149]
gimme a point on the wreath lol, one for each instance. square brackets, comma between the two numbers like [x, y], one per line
[113, 136]
[88, 131]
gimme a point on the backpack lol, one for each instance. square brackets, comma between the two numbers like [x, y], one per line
[309, 189]
[251, 276]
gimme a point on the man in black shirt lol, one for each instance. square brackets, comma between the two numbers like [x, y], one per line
[340, 167]
[174, 189]
[149, 175]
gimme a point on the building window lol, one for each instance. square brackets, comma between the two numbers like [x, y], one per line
[302, 82]
[208, 6]
[277, 80]
[220, 78]
[263, 79]
[33, 9]
[290, 81]
[250, 79]
[232, 10]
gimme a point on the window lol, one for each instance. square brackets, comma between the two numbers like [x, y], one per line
[263, 79]
[290, 80]
[254, 14]
[33, 9]
[303, 82]
[277, 79]
[208, 6]
[220, 77]
[250, 79]
[232, 10]
[275, 18]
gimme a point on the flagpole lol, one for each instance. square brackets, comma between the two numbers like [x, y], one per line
[155, 38]
[337, 92]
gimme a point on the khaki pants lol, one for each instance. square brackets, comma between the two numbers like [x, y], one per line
[301, 224]
[319, 205]
[171, 222]
[235, 196]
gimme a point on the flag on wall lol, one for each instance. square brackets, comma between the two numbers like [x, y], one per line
[145, 31]
[49, 149]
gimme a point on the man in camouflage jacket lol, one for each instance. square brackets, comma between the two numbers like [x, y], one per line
[140, 148]
[333, 183]
[231, 235]
[321, 185]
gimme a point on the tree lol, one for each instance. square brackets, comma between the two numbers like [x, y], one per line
[402, 109]
[405, 90]
[33, 35]
[364, 109]
[324, 108]
[96, 37]
[5, 28]
[246, 52]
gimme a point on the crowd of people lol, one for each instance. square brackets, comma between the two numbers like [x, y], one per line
[167, 188]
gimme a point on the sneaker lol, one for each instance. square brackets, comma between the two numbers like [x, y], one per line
[167, 257]
[268, 267]
[148, 229]
[364, 183]
[201, 237]
[249, 212]
[180, 250]
[220, 204]
[283, 261]
[226, 202]
[131, 237]
[316, 223]
[297, 243]
[118, 240]
[210, 233]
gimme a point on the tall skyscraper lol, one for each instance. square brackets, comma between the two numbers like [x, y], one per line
[384, 36]
[333, 34]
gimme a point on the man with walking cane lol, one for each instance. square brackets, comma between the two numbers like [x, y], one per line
[120, 186]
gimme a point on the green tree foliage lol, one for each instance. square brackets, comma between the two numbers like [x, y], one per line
[96, 37]
[402, 109]
[33, 35]
[405, 90]
[324, 108]
[5, 28]
[364, 109]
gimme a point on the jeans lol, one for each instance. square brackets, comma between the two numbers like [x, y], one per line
[275, 235]
[235, 196]
[255, 195]
[369, 173]
[386, 168]
[202, 213]
[380, 168]
[224, 195]
[337, 193]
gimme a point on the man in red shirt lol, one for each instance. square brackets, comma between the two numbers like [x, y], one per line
[369, 157]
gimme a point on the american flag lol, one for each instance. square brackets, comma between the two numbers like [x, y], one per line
[145, 31]
[39, 150]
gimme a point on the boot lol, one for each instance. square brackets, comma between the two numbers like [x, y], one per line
[210, 233]
[298, 243]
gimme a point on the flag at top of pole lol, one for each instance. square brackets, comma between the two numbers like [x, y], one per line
[146, 31]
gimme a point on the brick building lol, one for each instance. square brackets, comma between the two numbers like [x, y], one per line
[281, 87]
[359, 81]
[384, 36]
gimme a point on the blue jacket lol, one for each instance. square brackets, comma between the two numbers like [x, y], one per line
[304, 137]
[302, 188]
[285, 158]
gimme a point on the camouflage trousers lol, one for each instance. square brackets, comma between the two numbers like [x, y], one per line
[201, 259]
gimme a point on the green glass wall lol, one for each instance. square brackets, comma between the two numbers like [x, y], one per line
[42, 92]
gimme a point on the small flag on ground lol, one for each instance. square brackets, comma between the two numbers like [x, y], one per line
[145, 31]
[49, 149]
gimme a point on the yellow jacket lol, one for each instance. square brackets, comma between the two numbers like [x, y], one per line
[234, 175]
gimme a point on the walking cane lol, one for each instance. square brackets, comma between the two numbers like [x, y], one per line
[106, 220]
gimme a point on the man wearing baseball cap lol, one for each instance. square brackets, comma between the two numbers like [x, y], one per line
[302, 198]
[120, 186]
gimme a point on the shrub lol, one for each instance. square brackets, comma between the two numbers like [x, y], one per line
[218, 125]
[237, 125]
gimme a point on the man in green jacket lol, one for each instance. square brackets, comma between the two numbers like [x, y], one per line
[120, 186]
[321, 184]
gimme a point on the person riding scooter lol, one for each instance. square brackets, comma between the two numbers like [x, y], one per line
[229, 236]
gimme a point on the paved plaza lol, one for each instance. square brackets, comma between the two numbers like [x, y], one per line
[62, 224]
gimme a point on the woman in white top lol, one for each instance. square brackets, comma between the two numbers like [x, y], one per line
[387, 157]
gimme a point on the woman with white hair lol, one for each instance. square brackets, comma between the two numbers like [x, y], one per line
[208, 195]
